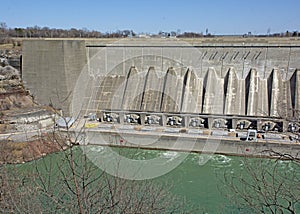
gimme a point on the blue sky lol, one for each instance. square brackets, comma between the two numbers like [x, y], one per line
[218, 16]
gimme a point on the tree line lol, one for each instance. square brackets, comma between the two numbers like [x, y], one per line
[46, 32]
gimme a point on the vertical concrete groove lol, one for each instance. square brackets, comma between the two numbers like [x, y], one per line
[230, 92]
[134, 87]
[144, 89]
[163, 92]
[275, 95]
[262, 100]
[185, 89]
[193, 94]
[289, 59]
[153, 92]
[295, 92]
[214, 92]
[172, 95]
[125, 88]
[286, 108]
[251, 92]
[265, 62]
[235, 96]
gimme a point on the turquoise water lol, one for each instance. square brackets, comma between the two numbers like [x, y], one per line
[199, 183]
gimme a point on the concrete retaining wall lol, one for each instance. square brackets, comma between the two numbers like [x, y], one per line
[51, 69]
[201, 144]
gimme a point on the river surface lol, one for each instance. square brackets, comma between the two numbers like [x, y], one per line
[198, 179]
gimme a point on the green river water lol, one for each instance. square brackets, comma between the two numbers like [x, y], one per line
[200, 185]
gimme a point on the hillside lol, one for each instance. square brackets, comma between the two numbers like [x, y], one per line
[26, 128]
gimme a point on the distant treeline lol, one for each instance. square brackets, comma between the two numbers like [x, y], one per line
[43, 32]
[7, 33]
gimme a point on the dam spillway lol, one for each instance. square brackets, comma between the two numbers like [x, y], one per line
[241, 77]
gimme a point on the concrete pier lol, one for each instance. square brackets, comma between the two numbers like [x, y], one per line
[154, 85]
[193, 93]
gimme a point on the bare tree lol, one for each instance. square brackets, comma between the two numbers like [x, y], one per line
[68, 182]
[268, 185]
[265, 185]
[16, 195]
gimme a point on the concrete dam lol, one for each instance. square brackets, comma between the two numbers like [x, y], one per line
[226, 82]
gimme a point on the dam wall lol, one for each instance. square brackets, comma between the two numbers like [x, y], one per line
[227, 76]
[51, 70]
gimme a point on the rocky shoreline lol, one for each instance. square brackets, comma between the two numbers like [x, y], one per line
[11, 56]
[20, 113]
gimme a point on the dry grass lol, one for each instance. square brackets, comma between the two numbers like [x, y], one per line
[6, 46]
[138, 128]
[207, 132]
[10, 46]
[18, 152]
